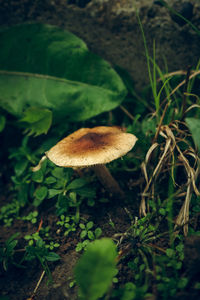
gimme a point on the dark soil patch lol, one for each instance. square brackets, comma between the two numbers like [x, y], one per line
[110, 28]
[22, 282]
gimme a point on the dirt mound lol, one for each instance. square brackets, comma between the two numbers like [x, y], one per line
[110, 29]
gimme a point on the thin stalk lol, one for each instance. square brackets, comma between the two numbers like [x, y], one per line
[38, 284]
[147, 57]
[152, 76]
[156, 95]
[107, 180]
[184, 104]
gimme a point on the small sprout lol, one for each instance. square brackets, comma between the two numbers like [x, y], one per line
[32, 217]
[87, 231]
[8, 250]
[82, 245]
[115, 280]
[88, 234]
[32, 238]
[68, 222]
[52, 246]
[44, 231]
[72, 284]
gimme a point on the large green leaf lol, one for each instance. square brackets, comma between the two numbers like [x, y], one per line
[38, 120]
[45, 66]
[96, 268]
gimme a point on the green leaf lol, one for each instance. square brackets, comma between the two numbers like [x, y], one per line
[52, 256]
[11, 239]
[91, 235]
[20, 167]
[83, 234]
[41, 193]
[38, 176]
[58, 172]
[72, 196]
[162, 211]
[89, 225]
[37, 120]
[76, 184]
[35, 213]
[182, 283]
[23, 193]
[48, 67]
[194, 127]
[98, 232]
[2, 123]
[79, 247]
[170, 252]
[96, 268]
[50, 180]
[53, 192]
[149, 126]
[133, 292]
[82, 226]
[62, 204]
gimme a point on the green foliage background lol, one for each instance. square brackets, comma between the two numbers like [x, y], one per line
[46, 67]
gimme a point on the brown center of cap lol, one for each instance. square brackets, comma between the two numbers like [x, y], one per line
[91, 146]
[89, 142]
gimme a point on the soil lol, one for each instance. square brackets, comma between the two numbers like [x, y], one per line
[110, 29]
[22, 282]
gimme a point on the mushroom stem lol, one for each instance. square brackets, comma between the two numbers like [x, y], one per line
[108, 181]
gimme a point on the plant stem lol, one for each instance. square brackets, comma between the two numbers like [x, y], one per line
[184, 103]
[108, 181]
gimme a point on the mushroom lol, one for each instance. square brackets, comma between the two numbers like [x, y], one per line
[93, 148]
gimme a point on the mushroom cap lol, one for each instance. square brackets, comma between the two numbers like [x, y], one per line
[91, 146]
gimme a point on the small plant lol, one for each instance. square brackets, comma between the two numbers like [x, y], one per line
[72, 283]
[140, 234]
[9, 211]
[8, 250]
[32, 217]
[82, 245]
[141, 245]
[88, 235]
[44, 232]
[40, 252]
[69, 223]
[131, 291]
[168, 271]
[52, 245]
[87, 231]
[41, 235]
[22, 158]
[32, 238]
[51, 182]
[138, 246]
